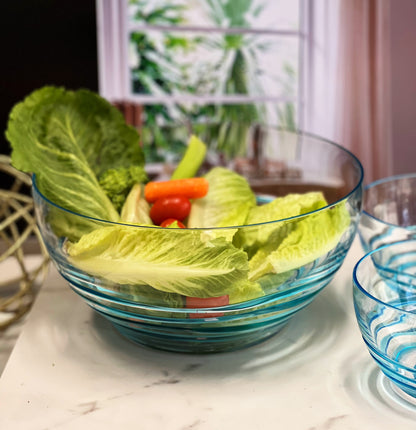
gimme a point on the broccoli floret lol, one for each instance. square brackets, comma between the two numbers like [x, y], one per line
[117, 183]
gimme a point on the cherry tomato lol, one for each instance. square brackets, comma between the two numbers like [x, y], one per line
[170, 221]
[177, 207]
[209, 302]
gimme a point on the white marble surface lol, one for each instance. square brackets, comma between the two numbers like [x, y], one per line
[8, 339]
[9, 268]
[71, 370]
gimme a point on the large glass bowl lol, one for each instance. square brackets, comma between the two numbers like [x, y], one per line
[389, 211]
[384, 288]
[280, 163]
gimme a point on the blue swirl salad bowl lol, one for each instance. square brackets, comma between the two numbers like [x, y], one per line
[384, 289]
[214, 252]
[389, 211]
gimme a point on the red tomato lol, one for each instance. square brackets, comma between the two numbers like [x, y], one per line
[209, 302]
[170, 221]
[177, 207]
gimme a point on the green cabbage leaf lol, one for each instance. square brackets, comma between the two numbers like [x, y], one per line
[68, 139]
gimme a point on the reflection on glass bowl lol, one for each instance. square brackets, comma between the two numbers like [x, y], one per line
[366, 384]
[389, 211]
[385, 305]
[149, 314]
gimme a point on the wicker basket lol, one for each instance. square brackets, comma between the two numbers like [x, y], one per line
[19, 237]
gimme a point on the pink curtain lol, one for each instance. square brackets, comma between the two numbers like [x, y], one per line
[364, 117]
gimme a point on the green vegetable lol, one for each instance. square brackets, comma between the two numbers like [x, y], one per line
[174, 224]
[136, 209]
[68, 139]
[192, 159]
[227, 203]
[278, 209]
[69, 225]
[151, 296]
[87, 160]
[245, 290]
[118, 182]
[170, 260]
[309, 238]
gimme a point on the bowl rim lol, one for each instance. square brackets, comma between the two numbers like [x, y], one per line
[362, 289]
[383, 181]
[354, 189]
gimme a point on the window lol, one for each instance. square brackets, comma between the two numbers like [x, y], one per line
[206, 61]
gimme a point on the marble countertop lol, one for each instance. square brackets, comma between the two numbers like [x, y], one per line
[71, 370]
[8, 339]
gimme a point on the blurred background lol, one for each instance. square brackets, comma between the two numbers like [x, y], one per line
[342, 69]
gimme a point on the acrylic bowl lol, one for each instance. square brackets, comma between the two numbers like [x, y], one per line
[389, 211]
[287, 163]
[384, 290]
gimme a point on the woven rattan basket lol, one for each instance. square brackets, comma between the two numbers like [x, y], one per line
[20, 246]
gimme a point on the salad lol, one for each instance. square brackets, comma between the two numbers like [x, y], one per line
[181, 238]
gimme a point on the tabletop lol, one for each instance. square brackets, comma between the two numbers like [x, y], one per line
[71, 370]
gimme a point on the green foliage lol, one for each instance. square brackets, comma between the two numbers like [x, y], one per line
[158, 72]
[232, 12]
[236, 72]
[287, 114]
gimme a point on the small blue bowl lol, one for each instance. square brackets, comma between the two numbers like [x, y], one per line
[389, 211]
[384, 291]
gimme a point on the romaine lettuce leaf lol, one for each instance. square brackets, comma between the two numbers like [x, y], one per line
[310, 238]
[227, 203]
[68, 139]
[151, 296]
[280, 208]
[136, 209]
[170, 260]
[245, 290]
[273, 282]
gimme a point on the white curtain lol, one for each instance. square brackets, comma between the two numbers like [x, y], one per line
[321, 61]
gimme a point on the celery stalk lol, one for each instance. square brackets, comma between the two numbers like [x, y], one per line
[192, 159]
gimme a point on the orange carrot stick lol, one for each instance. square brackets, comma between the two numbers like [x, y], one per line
[192, 188]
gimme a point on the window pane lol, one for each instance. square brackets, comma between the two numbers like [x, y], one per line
[193, 63]
[266, 15]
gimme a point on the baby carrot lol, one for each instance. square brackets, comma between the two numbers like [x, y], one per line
[192, 188]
